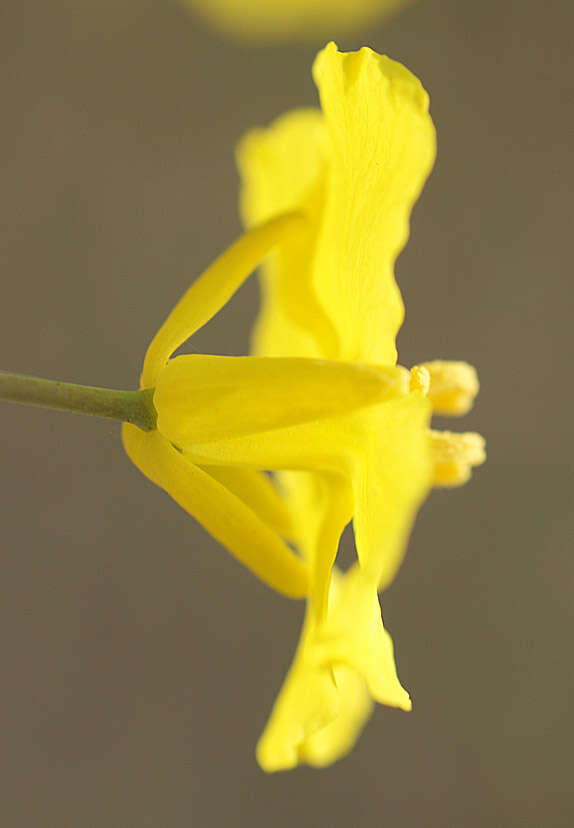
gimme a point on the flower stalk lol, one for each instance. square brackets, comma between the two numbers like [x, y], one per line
[135, 407]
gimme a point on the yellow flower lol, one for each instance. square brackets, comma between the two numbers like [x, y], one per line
[214, 399]
[281, 19]
[355, 170]
[323, 401]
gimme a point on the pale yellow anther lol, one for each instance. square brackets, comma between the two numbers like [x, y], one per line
[454, 456]
[453, 386]
[420, 379]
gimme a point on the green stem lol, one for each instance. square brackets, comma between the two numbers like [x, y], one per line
[134, 407]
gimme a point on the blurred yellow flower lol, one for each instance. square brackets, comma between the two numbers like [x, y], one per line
[355, 170]
[282, 19]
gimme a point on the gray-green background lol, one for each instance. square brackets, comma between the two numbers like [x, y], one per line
[139, 661]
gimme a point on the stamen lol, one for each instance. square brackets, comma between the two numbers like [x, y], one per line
[420, 379]
[453, 386]
[454, 456]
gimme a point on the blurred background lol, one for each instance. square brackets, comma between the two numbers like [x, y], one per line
[139, 660]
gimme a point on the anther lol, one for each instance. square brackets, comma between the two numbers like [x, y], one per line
[454, 456]
[420, 379]
[453, 386]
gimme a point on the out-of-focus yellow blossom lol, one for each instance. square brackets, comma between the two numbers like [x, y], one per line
[212, 398]
[283, 19]
[355, 170]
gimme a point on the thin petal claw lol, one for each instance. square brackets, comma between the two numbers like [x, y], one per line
[257, 491]
[221, 512]
[210, 292]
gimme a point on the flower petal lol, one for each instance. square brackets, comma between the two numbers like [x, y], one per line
[353, 635]
[223, 514]
[335, 514]
[336, 739]
[341, 662]
[257, 491]
[382, 148]
[209, 293]
[391, 482]
[203, 398]
[355, 173]
[283, 169]
[307, 702]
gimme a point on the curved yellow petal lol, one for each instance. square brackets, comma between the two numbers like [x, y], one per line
[307, 702]
[316, 720]
[335, 515]
[285, 19]
[355, 171]
[283, 169]
[336, 739]
[257, 491]
[213, 289]
[306, 495]
[203, 398]
[223, 514]
[391, 482]
[342, 661]
[382, 147]
[353, 635]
